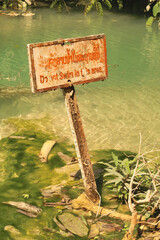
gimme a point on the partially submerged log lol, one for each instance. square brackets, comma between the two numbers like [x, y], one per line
[45, 150]
[25, 208]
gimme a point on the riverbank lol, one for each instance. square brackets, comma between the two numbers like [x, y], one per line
[133, 7]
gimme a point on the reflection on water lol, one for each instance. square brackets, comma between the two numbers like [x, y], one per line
[113, 111]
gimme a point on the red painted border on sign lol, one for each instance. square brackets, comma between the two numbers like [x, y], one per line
[62, 42]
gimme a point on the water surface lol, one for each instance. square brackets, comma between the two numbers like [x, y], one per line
[114, 111]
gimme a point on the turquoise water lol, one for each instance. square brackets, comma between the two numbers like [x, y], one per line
[114, 111]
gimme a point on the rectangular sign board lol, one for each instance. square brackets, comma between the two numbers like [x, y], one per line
[66, 62]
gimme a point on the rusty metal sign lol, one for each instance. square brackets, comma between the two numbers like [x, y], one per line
[66, 62]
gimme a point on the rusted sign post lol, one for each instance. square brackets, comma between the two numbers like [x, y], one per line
[62, 64]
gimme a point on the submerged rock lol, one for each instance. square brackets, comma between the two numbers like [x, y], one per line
[73, 224]
[105, 227]
[52, 190]
[97, 173]
[61, 226]
[12, 230]
[20, 137]
[15, 233]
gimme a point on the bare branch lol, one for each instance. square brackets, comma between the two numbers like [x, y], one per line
[149, 223]
[155, 206]
[142, 162]
[151, 151]
[130, 197]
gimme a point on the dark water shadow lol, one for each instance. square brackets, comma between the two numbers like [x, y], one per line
[98, 168]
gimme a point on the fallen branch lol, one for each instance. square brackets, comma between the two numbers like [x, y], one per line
[61, 232]
[67, 159]
[28, 214]
[149, 223]
[45, 150]
[155, 206]
[25, 208]
[83, 202]
[56, 204]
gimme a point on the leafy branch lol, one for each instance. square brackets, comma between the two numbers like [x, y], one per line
[153, 5]
[60, 5]
[137, 182]
[97, 4]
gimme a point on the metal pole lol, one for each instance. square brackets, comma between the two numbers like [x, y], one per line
[80, 144]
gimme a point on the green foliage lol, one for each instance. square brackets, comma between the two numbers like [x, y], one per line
[155, 5]
[99, 8]
[53, 4]
[126, 227]
[4, 6]
[120, 4]
[149, 21]
[120, 172]
[108, 3]
[88, 8]
[156, 9]
[97, 4]
[59, 5]
[118, 176]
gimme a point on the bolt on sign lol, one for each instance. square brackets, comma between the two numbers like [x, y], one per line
[62, 64]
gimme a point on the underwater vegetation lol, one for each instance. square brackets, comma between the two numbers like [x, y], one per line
[36, 197]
